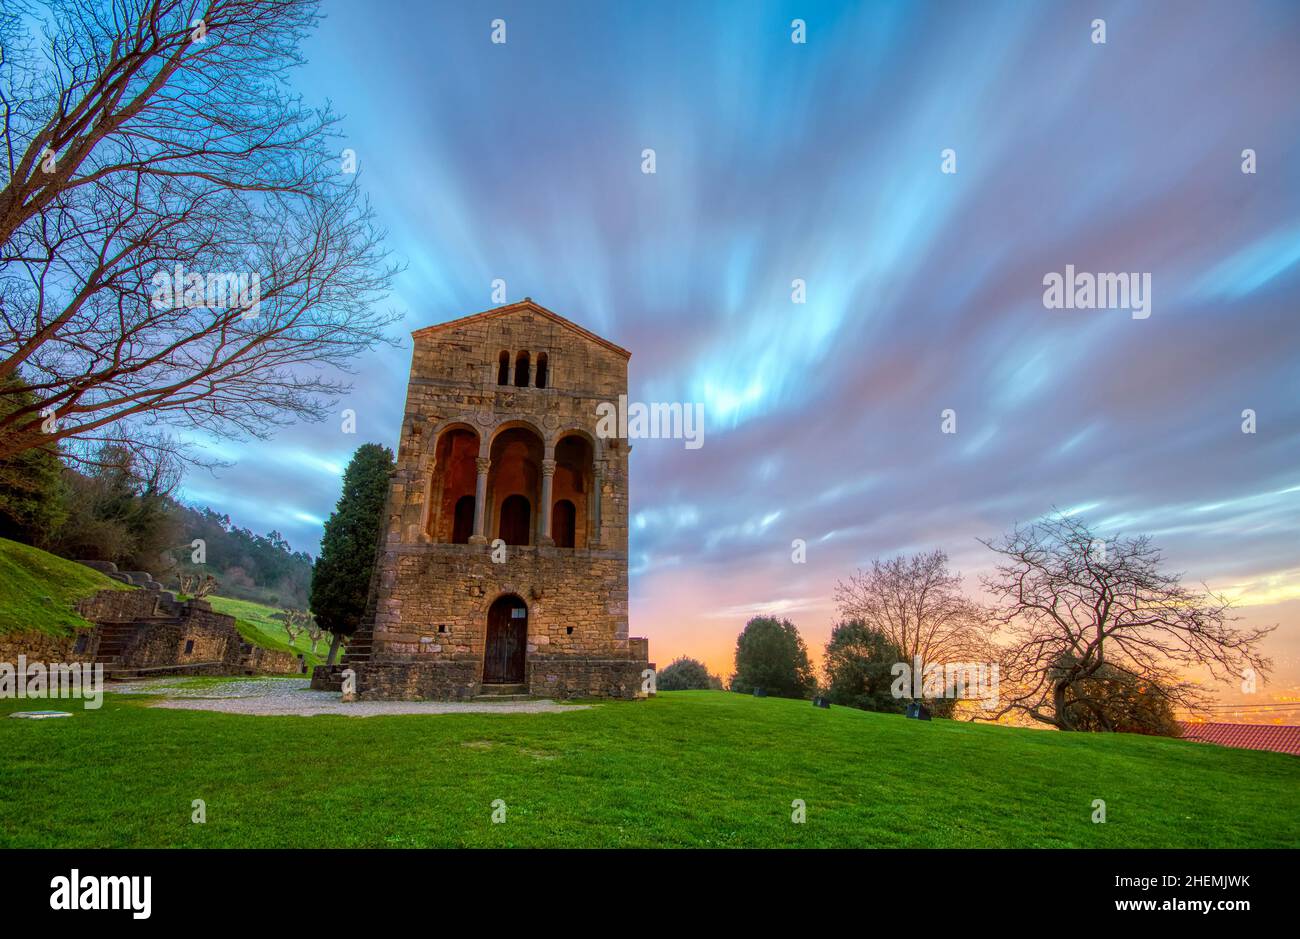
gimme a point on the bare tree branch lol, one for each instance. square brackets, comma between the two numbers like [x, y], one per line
[178, 244]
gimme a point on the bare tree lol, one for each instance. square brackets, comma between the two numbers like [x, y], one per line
[295, 621]
[179, 246]
[919, 607]
[1075, 604]
[314, 633]
[196, 587]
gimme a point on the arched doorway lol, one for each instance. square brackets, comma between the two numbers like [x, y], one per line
[507, 639]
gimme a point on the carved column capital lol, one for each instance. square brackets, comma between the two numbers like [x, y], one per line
[548, 467]
[484, 464]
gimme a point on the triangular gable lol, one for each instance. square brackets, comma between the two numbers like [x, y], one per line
[525, 304]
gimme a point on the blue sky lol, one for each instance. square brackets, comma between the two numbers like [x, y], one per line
[821, 161]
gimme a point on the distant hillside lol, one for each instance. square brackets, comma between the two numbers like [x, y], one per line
[260, 568]
[260, 625]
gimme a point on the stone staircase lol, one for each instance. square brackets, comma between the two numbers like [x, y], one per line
[115, 639]
[359, 646]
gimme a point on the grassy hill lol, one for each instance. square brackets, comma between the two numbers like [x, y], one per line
[39, 591]
[703, 769]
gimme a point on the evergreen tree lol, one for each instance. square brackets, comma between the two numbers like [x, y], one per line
[770, 654]
[32, 500]
[684, 674]
[341, 577]
[858, 662]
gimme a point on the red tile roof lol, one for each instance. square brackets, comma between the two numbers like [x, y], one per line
[1275, 737]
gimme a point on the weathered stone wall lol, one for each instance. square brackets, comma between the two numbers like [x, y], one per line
[119, 606]
[572, 676]
[436, 598]
[271, 662]
[42, 647]
[447, 680]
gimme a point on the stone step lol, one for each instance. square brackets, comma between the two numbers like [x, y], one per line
[489, 691]
[502, 698]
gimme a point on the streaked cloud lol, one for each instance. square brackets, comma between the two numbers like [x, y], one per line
[924, 291]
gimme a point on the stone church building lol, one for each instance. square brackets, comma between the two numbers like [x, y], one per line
[503, 567]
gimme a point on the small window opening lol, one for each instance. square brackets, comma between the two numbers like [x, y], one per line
[542, 365]
[522, 364]
[503, 368]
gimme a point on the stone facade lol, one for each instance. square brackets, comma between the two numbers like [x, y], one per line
[507, 514]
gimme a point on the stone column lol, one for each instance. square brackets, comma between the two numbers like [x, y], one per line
[598, 483]
[429, 516]
[548, 475]
[480, 500]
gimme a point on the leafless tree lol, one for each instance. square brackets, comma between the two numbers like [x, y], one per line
[179, 246]
[1072, 603]
[196, 587]
[919, 606]
[295, 621]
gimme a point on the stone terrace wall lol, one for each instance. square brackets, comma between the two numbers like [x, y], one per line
[119, 606]
[271, 662]
[567, 676]
[448, 680]
[42, 647]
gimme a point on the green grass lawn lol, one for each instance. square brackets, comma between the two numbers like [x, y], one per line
[256, 624]
[39, 590]
[684, 769]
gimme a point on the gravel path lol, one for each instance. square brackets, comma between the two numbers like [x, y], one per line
[293, 697]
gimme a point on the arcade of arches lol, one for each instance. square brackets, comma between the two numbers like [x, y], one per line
[523, 492]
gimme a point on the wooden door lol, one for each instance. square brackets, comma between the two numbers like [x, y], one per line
[507, 637]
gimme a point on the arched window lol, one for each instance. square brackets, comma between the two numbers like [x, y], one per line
[564, 518]
[514, 485]
[541, 370]
[463, 524]
[571, 507]
[503, 368]
[521, 370]
[516, 519]
[454, 479]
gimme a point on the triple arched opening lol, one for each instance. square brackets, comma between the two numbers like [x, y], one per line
[525, 374]
[513, 506]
